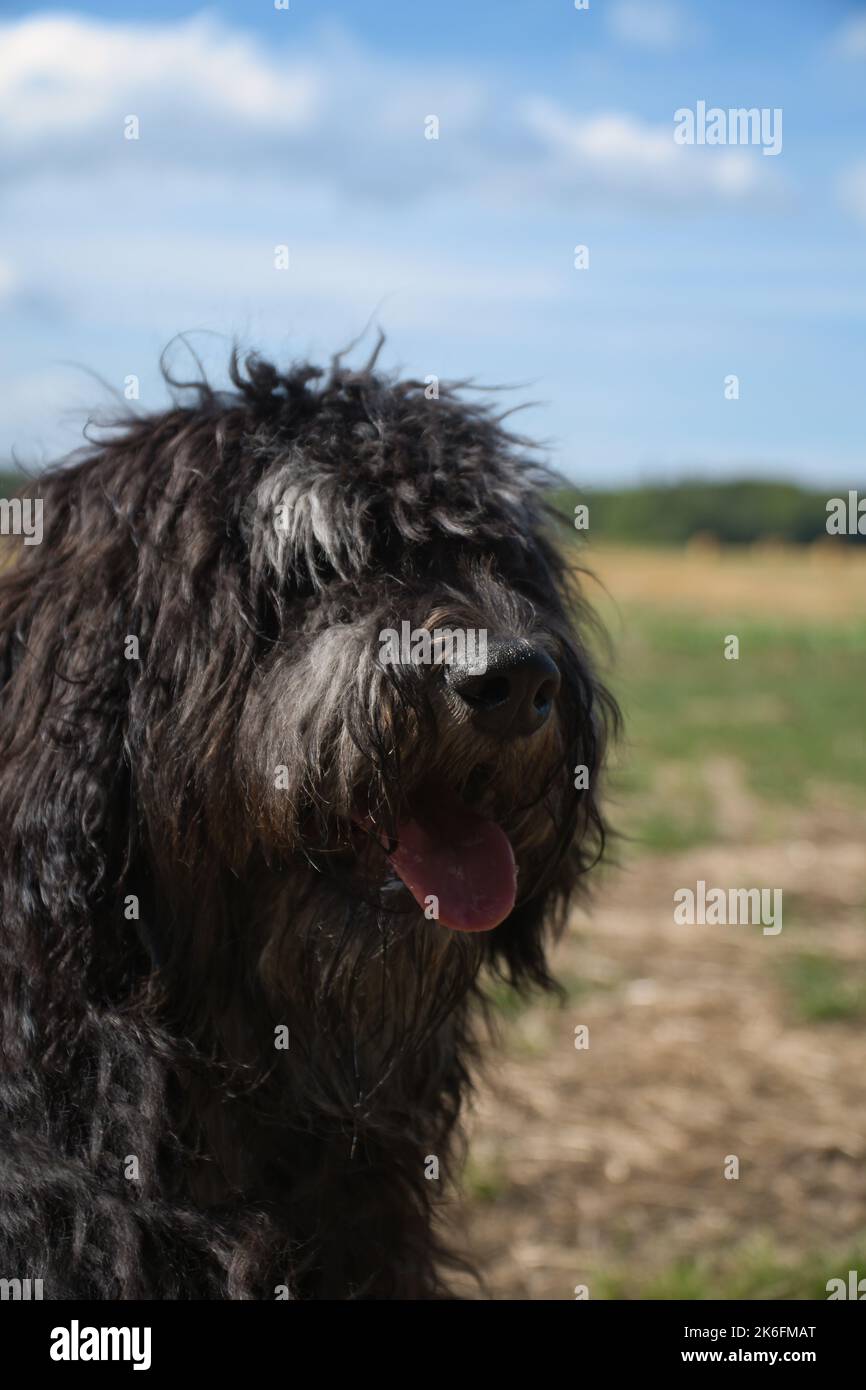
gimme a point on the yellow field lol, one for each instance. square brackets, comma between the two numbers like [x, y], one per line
[825, 581]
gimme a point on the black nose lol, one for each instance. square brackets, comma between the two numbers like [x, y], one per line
[514, 695]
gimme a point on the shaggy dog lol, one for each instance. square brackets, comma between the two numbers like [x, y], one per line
[254, 874]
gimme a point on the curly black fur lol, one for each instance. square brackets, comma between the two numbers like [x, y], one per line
[155, 1143]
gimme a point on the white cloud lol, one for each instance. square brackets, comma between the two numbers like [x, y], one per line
[850, 40]
[851, 187]
[8, 279]
[330, 120]
[62, 74]
[208, 96]
[650, 24]
[619, 154]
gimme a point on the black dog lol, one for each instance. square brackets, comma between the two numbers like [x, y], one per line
[252, 857]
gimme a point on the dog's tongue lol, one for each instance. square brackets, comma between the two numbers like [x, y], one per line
[449, 852]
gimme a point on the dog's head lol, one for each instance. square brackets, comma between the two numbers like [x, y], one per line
[425, 722]
[315, 675]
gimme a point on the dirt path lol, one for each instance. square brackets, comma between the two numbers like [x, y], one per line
[605, 1166]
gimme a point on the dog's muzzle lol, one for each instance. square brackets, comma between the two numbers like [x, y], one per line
[457, 862]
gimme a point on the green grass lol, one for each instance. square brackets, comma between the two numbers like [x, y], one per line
[823, 989]
[790, 711]
[485, 1182]
[510, 1004]
[755, 1270]
[506, 1001]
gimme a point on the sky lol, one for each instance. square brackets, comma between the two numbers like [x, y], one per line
[307, 128]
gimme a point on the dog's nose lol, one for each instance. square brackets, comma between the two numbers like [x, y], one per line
[514, 695]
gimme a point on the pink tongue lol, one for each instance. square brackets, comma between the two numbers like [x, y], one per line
[465, 862]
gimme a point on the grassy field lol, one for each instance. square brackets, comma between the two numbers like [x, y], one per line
[606, 1166]
[789, 711]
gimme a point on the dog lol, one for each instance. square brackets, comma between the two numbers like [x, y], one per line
[256, 866]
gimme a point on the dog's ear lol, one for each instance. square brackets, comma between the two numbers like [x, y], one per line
[65, 666]
[127, 639]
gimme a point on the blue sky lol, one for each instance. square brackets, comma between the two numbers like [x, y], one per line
[305, 128]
